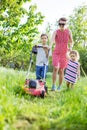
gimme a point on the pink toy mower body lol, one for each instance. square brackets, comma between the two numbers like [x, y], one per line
[35, 88]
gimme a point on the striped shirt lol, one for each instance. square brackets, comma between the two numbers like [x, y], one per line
[71, 71]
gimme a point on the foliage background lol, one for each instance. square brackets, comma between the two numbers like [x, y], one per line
[17, 38]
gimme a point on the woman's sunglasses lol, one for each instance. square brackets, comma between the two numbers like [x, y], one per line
[61, 24]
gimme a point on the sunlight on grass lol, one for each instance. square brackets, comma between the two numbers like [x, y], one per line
[66, 110]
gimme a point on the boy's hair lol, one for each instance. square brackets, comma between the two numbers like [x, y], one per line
[63, 19]
[44, 35]
[76, 53]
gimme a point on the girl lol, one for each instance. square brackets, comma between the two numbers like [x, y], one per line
[73, 69]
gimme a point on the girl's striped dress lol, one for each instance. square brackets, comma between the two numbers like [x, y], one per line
[71, 71]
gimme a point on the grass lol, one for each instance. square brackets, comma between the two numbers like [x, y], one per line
[66, 110]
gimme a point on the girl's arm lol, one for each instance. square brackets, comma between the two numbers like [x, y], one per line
[78, 71]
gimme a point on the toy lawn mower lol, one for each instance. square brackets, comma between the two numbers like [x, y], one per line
[35, 87]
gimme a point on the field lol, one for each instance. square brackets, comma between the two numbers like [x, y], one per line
[65, 110]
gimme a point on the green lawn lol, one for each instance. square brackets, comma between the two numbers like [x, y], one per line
[66, 110]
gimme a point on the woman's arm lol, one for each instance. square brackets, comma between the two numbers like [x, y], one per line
[52, 39]
[70, 40]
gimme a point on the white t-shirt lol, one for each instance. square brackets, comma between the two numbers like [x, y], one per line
[41, 58]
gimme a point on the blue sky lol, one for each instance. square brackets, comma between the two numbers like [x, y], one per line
[54, 9]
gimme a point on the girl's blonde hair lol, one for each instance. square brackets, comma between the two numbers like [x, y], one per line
[76, 54]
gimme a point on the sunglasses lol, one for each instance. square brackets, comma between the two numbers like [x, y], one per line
[61, 24]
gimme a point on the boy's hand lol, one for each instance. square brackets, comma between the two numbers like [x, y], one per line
[34, 49]
[46, 47]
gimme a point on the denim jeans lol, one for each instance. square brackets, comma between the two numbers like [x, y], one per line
[40, 70]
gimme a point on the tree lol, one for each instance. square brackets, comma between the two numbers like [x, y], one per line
[78, 25]
[16, 39]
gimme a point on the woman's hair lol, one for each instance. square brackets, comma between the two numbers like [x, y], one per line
[76, 53]
[62, 19]
[44, 35]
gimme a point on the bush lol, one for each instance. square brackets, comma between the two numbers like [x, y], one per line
[83, 60]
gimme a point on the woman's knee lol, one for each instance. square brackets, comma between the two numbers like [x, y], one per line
[61, 70]
[55, 69]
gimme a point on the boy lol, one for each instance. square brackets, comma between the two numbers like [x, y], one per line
[42, 58]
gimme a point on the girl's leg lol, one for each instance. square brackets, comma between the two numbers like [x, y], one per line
[72, 85]
[68, 84]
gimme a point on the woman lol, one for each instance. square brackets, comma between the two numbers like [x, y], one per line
[61, 37]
